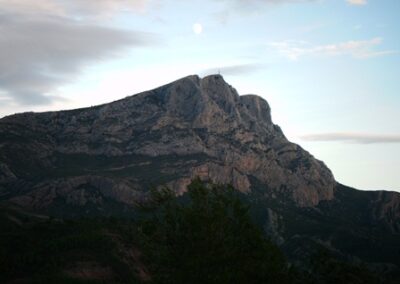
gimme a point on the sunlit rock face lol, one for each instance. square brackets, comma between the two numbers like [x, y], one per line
[169, 135]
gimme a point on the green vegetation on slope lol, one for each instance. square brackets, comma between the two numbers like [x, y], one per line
[205, 236]
[210, 238]
[34, 250]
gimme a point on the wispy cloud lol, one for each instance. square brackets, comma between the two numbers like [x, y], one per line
[43, 45]
[72, 7]
[234, 70]
[359, 138]
[246, 7]
[358, 49]
[357, 2]
[263, 2]
[234, 7]
[244, 2]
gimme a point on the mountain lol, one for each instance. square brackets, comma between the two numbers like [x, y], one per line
[103, 160]
[191, 127]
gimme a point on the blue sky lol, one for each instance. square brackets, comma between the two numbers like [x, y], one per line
[329, 68]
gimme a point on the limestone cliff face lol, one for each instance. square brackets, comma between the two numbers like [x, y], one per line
[191, 127]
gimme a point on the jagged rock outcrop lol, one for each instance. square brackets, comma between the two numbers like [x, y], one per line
[220, 135]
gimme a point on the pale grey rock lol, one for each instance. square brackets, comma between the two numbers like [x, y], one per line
[274, 226]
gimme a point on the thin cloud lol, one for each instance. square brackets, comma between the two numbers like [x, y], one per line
[72, 7]
[41, 51]
[104, 6]
[246, 7]
[234, 7]
[294, 50]
[234, 70]
[276, 2]
[358, 138]
[357, 2]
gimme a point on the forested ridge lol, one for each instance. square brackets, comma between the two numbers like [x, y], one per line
[205, 236]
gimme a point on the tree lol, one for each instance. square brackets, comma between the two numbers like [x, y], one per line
[207, 236]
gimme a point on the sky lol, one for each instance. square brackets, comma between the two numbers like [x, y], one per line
[328, 68]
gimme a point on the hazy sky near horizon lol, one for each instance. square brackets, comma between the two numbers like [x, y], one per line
[330, 69]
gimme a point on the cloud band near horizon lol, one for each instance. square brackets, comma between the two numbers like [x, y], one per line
[357, 138]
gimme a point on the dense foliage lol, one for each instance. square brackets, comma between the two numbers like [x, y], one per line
[33, 250]
[205, 236]
[210, 238]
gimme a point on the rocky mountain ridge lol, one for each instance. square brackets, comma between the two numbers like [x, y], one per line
[103, 160]
[189, 117]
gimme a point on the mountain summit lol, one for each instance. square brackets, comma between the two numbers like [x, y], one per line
[103, 160]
